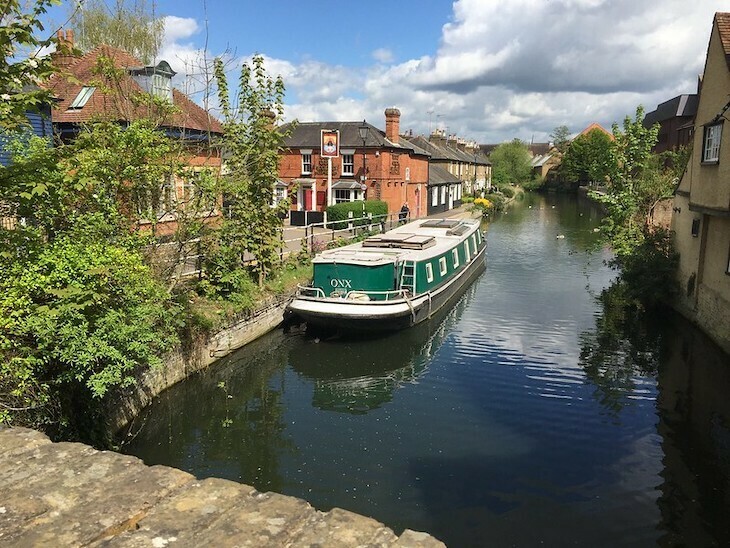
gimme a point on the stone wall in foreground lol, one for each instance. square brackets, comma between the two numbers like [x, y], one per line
[68, 494]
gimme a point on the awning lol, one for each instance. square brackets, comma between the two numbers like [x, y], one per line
[281, 184]
[347, 185]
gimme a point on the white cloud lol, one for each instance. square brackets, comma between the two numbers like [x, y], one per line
[383, 55]
[508, 69]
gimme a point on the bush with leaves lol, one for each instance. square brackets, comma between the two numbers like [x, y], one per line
[80, 317]
[359, 209]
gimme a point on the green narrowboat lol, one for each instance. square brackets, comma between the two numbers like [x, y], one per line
[392, 280]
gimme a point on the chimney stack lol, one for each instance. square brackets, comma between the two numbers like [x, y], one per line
[64, 55]
[392, 124]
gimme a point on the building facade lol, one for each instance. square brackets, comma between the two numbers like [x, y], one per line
[371, 165]
[83, 94]
[701, 220]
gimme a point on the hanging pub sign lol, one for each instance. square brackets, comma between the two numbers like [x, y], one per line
[330, 143]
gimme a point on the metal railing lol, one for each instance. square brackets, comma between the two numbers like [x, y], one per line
[353, 294]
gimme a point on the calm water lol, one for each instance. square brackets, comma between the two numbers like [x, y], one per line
[524, 416]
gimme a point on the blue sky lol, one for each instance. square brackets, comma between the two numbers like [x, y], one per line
[489, 70]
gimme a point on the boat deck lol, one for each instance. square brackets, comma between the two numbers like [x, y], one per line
[415, 241]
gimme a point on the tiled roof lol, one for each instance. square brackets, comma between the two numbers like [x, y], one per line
[723, 25]
[593, 126]
[118, 106]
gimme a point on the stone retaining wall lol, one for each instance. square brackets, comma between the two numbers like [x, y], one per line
[68, 494]
[180, 364]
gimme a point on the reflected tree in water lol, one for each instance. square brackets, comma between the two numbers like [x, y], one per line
[625, 343]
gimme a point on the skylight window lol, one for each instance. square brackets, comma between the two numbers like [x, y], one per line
[83, 97]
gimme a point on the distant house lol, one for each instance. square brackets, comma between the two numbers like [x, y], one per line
[676, 122]
[377, 165]
[83, 96]
[469, 167]
[701, 220]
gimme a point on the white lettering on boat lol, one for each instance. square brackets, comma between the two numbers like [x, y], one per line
[341, 283]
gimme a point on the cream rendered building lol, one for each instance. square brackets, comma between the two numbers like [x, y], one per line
[701, 221]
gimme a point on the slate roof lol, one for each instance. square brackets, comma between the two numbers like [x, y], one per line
[81, 70]
[438, 175]
[678, 107]
[307, 135]
[439, 152]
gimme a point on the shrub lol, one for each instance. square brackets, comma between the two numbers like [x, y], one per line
[76, 321]
[339, 212]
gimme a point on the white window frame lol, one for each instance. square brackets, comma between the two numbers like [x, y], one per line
[474, 243]
[443, 269]
[82, 97]
[443, 194]
[161, 86]
[455, 254]
[435, 196]
[348, 165]
[408, 174]
[467, 255]
[429, 272]
[280, 193]
[306, 163]
[343, 195]
[711, 141]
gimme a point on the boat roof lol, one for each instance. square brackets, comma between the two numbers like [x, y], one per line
[414, 241]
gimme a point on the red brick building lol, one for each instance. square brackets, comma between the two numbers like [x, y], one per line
[372, 165]
[83, 95]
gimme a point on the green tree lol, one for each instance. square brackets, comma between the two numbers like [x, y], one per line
[641, 179]
[511, 163]
[21, 67]
[590, 158]
[561, 138]
[252, 144]
[128, 24]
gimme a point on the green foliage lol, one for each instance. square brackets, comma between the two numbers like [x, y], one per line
[640, 180]
[561, 138]
[359, 209]
[252, 143]
[80, 316]
[511, 163]
[590, 158]
[129, 25]
[20, 66]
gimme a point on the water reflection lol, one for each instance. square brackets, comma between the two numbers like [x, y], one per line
[358, 374]
[225, 422]
[532, 414]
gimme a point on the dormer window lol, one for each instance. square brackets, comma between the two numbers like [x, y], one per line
[156, 80]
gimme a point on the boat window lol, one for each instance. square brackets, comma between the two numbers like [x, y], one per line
[442, 266]
[429, 272]
[479, 236]
[474, 244]
[455, 253]
[466, 252]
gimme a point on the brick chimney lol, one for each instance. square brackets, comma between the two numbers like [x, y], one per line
[392, 124]
[64, 54]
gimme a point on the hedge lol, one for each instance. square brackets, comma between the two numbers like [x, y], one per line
[339, 212]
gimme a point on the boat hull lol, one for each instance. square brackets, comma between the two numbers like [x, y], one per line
[344, 315]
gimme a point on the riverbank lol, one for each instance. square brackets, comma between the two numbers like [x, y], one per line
[68, 494]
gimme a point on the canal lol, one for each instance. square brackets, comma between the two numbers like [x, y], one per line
[530, 413]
